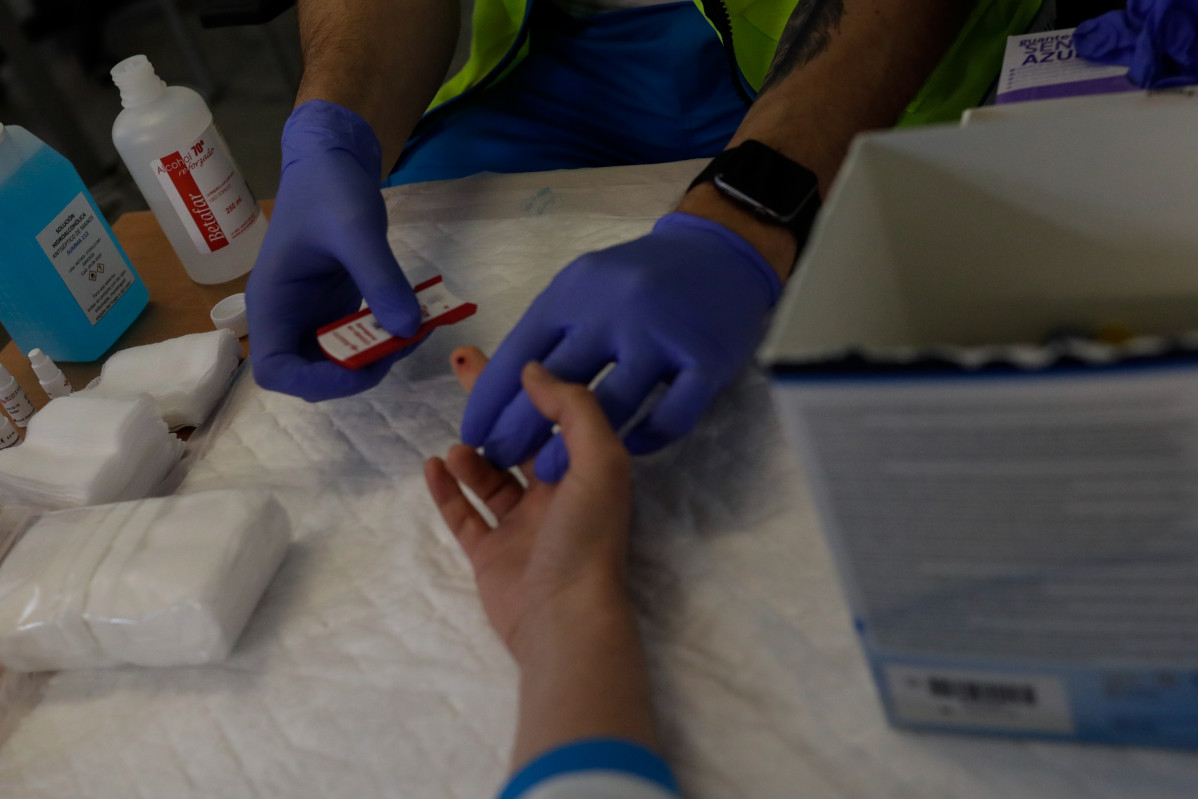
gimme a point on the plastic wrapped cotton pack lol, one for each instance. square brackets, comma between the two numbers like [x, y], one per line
[83, 450]
[155, 582]
[186, 376]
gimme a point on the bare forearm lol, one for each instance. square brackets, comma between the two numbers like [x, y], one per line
[843, 67]
[383, 59]
[857, 66]
[582, 675]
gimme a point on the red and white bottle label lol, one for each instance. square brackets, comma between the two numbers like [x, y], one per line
[207, 192]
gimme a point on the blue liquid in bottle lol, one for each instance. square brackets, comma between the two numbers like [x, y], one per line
[66, 286]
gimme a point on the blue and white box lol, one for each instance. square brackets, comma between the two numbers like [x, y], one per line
[1012, 503]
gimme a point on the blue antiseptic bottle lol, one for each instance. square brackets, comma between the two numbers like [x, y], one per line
[66, 286]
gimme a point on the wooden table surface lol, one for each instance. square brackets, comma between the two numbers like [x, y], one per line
[177, 304]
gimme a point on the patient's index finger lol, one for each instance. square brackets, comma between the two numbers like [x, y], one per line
[468, 363]
[585, 429]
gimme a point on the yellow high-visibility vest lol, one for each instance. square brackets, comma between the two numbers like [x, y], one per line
[750, 30]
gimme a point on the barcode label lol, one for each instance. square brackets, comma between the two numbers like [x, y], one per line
[980, 700]
[996, 693]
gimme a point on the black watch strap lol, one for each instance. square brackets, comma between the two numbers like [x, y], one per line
[773, 187]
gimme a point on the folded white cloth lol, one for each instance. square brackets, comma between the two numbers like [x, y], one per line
[85, 450]
[186, 376]
[154, 582]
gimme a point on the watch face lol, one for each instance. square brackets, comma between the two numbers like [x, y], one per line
[767, 181]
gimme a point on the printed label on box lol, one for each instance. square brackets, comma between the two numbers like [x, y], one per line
[86, 258]
[1142, 703]
[207, 192]
[987, 699]
[1043, 65]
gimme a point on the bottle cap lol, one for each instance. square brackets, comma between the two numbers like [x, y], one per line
[229, 314]
[136, 79]
[43, 367]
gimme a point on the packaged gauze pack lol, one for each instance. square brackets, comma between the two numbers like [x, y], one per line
[156, 582]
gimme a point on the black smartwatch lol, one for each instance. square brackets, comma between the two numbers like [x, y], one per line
[773, 187]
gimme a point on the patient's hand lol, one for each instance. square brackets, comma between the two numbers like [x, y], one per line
[559, 549]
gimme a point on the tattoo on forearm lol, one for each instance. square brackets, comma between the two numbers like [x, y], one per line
[806, 35]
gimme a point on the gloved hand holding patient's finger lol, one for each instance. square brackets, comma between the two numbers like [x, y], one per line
[684, 305]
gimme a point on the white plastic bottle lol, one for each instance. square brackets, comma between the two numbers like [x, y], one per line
[14, 399]
[9, 437]
[49, 375]
[184, 169]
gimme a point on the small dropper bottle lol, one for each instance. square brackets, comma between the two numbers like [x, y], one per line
[9, 436]
[14, 399]
[49, 375]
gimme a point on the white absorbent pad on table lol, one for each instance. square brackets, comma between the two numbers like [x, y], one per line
[369, 670]
[82, 450]
[152, 582]
[186, 376]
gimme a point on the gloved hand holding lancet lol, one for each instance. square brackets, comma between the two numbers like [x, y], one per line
[326, 251]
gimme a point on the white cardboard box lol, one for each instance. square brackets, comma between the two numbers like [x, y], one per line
[1016, 526]
[1122, 102]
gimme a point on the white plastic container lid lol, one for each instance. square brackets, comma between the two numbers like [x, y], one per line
[229, 314]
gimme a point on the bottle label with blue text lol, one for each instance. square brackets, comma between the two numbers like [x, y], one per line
[207, 192]
[86, 258]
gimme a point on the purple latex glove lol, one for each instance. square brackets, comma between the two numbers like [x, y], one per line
[684, 305]
[1167, 47]
[1107, 39]
[326, 249]
[1156, 39]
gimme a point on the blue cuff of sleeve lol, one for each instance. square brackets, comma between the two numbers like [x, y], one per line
[597, 754]
[319, 126]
